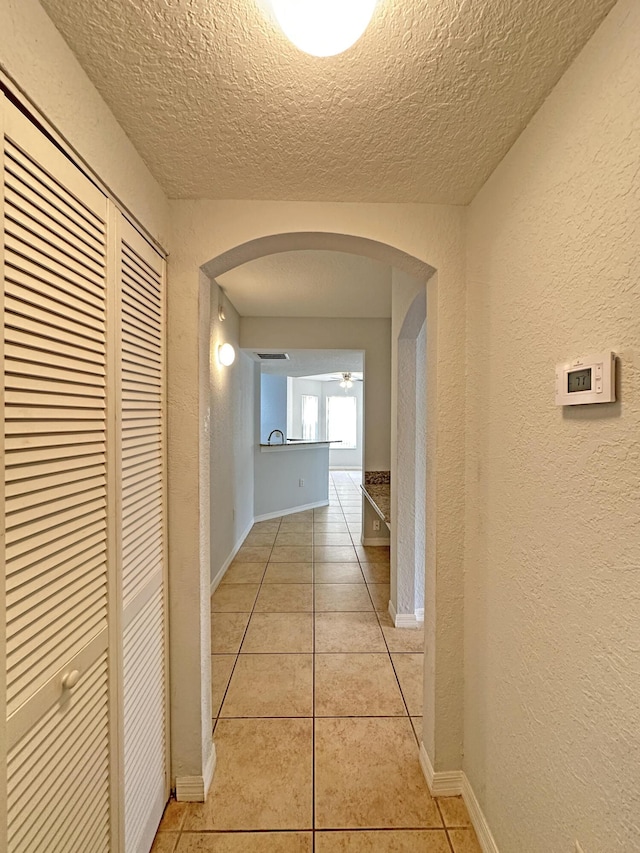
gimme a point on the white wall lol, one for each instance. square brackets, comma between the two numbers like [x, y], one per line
[232, 433]
[278, 476]
[552, 613]
[273, 406]
[372, 336]
[34, 54]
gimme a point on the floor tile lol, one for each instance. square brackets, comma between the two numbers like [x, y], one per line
[165, 842]
[337, 573]
[246, 792]
[330, 526]
[244, 573]
[410, 671]
[227, 631]
[173, 817]
[298, 517]
[298, 527]
[328, 514]
[288, 573]
[266, 526]
[376, 572]
[356, 685]
[270, 686]
[250, 554]
[337, 554]
[368, 775]
[387, 841]
[234, 598]
[454, 812]
[284, 598]
[279, 632]
[373, 553]
[379, 593]
[416, 722]
[464, 841]
[342, 596]
[334, 539]
[260, 540]
[292, 554]
[401, 639]
[348, 632]
[246, 842]
[296, 540]
[221, 668]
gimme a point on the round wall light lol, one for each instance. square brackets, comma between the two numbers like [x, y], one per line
[323, 27]
[226, 354]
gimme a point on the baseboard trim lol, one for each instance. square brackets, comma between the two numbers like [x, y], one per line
[479, 821]
[221, 572]
[447, 783]
[454, 783]
[380, 541]
[194, 789]
[404, 620]
[269, 515]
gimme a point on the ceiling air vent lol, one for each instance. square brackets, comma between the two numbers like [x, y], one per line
[273, 356]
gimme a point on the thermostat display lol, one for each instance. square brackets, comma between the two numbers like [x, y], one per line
[590, 379]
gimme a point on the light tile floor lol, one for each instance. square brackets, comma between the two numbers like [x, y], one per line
[317, 703]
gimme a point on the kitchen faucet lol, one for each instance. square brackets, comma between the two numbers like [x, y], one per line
[276, 431]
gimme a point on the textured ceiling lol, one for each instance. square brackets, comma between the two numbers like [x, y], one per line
[310, 284]
[309, 362]
[421, 109]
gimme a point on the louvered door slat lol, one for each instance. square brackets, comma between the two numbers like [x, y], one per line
[54, 491]
[143, 537]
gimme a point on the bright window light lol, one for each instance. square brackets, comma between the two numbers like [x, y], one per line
[323, 27]
[342, 421]
[309, 417]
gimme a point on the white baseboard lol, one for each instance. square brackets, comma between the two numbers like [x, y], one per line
[380, 541]
[194, 789]
[479, 821]
[221, 572]
[443, 784]
[405, 620]
[269, 515]
[454, 783]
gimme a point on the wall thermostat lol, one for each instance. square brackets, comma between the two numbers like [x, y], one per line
[590, 379]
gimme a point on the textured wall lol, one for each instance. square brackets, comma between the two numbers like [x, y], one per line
[33, 52]
[232, 437]
[552, 630]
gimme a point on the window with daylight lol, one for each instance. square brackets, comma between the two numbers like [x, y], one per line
[342, 421]
[310, 417]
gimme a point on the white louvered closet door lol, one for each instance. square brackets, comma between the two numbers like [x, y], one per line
[143, 536]
[54, 548]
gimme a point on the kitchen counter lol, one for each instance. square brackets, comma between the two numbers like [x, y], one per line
[296, 443]
[379, 496]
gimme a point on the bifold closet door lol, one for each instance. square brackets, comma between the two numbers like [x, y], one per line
[58, 584]
[143, 535]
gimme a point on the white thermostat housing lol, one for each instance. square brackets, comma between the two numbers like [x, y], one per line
[589, 379]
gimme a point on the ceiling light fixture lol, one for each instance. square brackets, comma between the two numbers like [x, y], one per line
[226, 354]
[346, 381]
[323, 27]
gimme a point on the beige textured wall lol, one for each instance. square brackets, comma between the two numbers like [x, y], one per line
[202, 230]
[34, 54]
[552, 612]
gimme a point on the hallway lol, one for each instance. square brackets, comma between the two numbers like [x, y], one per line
[317, 701]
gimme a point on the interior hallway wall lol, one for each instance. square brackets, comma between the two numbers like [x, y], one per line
[232, 432]
[552, 628]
